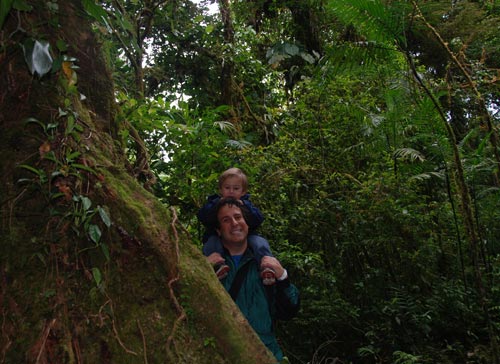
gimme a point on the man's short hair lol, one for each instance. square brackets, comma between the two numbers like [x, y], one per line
[230, 202]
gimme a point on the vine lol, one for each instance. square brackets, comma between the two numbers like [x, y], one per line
[180, 311]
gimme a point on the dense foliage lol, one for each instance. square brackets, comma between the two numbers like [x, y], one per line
[369, 131]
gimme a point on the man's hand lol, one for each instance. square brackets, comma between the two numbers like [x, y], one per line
[215, 258]
[274, 264]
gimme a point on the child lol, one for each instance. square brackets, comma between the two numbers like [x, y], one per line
[234, 183]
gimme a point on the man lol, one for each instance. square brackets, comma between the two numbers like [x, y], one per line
[260, 304]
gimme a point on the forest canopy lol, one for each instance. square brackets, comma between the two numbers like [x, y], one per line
[368, 129]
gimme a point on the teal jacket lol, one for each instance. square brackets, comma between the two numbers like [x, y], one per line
[260, 304]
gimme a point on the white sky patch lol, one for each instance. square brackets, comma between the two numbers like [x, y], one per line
[211, 5]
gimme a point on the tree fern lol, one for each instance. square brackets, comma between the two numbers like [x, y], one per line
[373, 19]
[409, 154]
[378, 29]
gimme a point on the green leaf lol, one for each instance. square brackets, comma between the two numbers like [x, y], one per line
[83, 167]
[72, 156]
[61, 45]
[104, 216]
[291, 49]
[409, 154]
[56, 66]
[209, 28]
[96, 273]
[307, 57]
[5, 7]
[276, 58]
[38, 172]
[21, 5]
[70, 125]
[105, 251]
[94, 10]
[85, 202]
[37, 122]
[94, 233]
[51, 157]
[126, 25]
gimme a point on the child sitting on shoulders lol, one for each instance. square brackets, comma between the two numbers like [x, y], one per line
[233, 183]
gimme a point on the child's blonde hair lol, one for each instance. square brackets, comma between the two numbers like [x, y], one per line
[234, 172]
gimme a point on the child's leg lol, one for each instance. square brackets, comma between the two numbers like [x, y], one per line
[212, 245]
[260, 246]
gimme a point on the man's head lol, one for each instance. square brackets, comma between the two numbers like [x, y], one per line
[231, 223]
[233, 183]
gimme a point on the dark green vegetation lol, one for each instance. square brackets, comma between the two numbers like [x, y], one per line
[369, 130]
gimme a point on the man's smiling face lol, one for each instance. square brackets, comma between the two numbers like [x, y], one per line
[233, 228]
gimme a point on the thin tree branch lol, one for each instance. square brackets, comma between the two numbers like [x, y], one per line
[485, 114]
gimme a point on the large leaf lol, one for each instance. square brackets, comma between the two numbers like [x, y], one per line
[96, 273]
[37, 56]
[373, 18]
[94, 10]
[281, 51]
[104, 216]
[94, 233]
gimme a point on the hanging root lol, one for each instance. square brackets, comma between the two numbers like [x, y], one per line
[115, 331]
[39, 350]
[180, 311]
[143, 342]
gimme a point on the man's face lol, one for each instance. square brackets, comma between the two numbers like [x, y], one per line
[232, 226]
[232, 187]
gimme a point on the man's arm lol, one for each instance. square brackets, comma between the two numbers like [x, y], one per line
[287, 298]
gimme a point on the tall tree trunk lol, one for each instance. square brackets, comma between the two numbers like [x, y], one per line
[305, 17]
[227, 82]
[92, 267]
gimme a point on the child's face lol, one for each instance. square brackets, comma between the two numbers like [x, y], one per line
[232, 187]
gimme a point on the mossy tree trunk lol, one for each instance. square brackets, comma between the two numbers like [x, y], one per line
[93, 268]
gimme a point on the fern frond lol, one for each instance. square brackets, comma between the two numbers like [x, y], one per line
[224, 125]
[381, 28]
[348, 56]
[427, 176]
[409, 154]
[372, 18]
[488, 193]
[238, 144]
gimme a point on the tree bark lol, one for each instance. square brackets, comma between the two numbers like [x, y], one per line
[93, 268]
